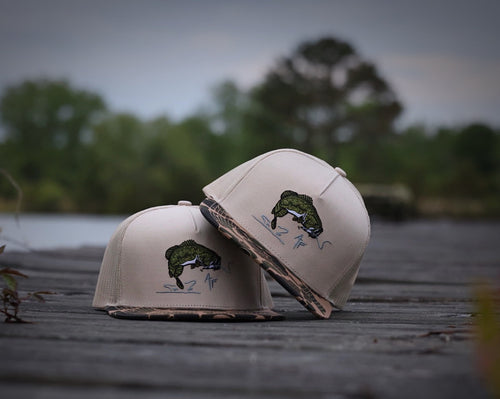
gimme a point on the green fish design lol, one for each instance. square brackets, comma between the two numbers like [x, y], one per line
[190, 253]
[303, 211]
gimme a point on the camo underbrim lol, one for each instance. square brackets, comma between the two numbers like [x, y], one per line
[181, 314]
[312, 301]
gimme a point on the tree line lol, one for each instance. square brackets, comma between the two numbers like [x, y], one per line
[70, 153]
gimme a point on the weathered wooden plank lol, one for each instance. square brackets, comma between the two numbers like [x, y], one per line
[263, 370]
[368, 322]
[407, 331]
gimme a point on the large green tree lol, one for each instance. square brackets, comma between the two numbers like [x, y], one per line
[323, 94]
[46, 124]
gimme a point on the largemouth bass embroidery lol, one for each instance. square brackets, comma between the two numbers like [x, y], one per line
[303, 211]
[190, 253]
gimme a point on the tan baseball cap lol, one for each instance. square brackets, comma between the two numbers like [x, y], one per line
[169, 263]
[299, 218]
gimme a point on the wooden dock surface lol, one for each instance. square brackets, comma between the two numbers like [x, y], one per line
[407, 331]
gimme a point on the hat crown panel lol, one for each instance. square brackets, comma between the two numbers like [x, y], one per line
[306, 214]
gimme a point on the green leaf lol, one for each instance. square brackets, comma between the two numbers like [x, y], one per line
[38, 295]
[10, 281]
[8, 270]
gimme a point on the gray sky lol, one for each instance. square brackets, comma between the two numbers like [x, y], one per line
[162, 57]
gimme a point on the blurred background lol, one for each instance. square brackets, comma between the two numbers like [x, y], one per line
[109, 107]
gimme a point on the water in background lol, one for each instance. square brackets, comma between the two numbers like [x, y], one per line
[44, 231]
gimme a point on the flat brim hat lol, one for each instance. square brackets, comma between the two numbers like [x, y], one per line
[297, 217]
[169, 263]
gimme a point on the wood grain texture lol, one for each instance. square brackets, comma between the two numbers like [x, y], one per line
[406, 331]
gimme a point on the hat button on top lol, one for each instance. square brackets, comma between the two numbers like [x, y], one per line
[341, 172]
[185, 203]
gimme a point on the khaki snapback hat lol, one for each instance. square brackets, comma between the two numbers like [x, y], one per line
[169, 263]
[299, 218]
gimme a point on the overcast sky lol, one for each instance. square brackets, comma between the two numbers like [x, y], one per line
[162, 57]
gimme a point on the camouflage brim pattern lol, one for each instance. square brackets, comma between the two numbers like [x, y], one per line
[138, 313]
[312, 301]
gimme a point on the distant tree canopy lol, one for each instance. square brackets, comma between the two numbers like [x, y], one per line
[70, 153]
[48, 116]
[47, 124]
[323, 94]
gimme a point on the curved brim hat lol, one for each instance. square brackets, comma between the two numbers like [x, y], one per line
[299, 218]
[169, 263]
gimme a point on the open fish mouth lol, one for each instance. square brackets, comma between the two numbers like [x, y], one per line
[213, 266]
[196, 262]
[313, 232]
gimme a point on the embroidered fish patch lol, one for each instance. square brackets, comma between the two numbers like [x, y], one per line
[301, 207]
[190, 253]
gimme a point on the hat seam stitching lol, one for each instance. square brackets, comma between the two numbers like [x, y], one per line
[329, 184]
[120, 252]
[362, 248]
[235, 184]
[196, 229]
[341, 279]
